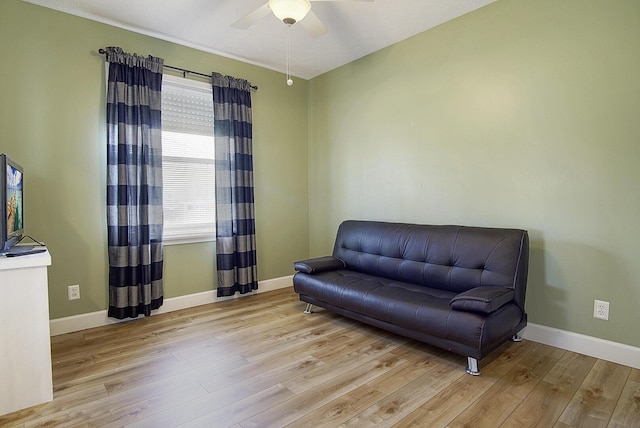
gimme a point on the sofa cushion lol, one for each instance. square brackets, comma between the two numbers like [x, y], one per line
[482, 299]
[411, 306]
[451, 258]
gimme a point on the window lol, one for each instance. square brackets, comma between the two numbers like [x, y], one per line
[188, 161]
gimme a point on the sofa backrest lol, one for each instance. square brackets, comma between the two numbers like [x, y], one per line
[452, 258]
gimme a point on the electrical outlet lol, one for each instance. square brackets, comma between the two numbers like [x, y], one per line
[73, 292]
[601, 309]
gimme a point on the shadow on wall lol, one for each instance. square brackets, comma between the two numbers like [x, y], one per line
[546, 301]
[71, 221]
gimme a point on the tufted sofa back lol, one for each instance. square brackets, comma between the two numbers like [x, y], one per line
[452, 258]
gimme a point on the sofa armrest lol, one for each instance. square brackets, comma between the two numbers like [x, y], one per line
[482, 299]
[319, 264]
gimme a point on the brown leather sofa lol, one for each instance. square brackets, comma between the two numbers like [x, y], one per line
[455, 287]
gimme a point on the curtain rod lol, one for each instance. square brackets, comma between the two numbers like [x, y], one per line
[184, 71]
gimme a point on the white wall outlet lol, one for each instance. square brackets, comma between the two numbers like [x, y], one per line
[601, 309]
[73, 292]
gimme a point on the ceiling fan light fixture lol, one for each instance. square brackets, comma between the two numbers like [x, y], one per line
[290, 11]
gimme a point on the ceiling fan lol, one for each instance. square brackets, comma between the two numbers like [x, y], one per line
[289, 12]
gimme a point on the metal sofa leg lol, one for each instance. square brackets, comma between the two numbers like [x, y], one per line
[516, 338]
[308, 309]
[472, 366]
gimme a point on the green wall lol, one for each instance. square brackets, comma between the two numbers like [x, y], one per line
[52, 122]
[521, 114]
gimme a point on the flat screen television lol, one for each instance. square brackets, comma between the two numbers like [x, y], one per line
[11, 203]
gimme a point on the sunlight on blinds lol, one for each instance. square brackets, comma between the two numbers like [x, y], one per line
[188, 160]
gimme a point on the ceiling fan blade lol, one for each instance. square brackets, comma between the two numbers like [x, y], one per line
[312, 25]
[252, 17]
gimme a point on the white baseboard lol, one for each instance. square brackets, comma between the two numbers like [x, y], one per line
[100, 318]
[587, 345]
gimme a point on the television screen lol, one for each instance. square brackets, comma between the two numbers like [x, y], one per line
[11, 203]
[14, 200]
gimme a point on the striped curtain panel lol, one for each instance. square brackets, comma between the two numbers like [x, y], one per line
[235, 218]
[134, 184]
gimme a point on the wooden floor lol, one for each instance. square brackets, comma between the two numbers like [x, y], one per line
[260, 362]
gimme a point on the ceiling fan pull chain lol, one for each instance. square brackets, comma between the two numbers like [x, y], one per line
[289, 80]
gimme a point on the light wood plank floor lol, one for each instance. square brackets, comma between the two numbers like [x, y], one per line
[260, 362]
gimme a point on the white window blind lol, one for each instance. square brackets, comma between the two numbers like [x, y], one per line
[188, 160]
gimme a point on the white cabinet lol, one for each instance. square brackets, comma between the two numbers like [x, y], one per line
[25, 344]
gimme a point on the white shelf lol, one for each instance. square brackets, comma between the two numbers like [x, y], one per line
[25, 356]
[30, 260]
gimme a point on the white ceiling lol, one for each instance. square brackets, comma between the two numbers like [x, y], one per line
[355, 29]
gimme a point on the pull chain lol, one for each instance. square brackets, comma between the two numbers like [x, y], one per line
[289, 80]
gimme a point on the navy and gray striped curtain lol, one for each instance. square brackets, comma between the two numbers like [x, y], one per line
[235, 217]
[134, 183]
